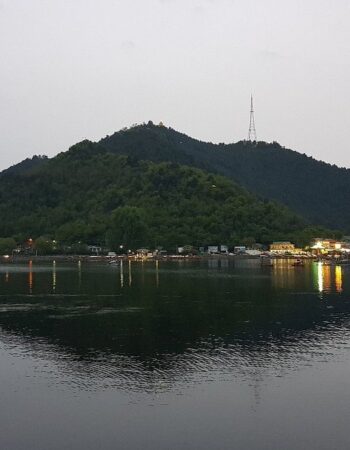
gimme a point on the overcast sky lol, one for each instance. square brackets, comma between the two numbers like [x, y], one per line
[74, 69]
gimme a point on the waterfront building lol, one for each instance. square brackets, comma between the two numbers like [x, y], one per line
[282, 247]
[95, 249]
[325, 246]
[142, 253]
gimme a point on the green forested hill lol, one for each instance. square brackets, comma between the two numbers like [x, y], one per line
[88, 194]
[26, 166]
[318, 191]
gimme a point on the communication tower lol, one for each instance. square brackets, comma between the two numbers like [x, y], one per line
[252, 130]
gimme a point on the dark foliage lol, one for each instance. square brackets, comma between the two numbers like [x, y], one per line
[318, 191]
[88, 194]
[26, 165]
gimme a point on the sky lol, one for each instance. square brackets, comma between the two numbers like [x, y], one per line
[76, 69]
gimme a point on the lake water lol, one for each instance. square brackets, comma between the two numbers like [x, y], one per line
[174, 355]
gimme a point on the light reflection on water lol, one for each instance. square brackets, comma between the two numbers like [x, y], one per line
[30, 277]
[338, 279]
[97, 291]
[325, 278]
[329, 278]
[150, 333]
[320, 284]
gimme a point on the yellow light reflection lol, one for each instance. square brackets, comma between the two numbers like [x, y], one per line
[284, 273]
[30, 277]
[338, 279]
[327, 278]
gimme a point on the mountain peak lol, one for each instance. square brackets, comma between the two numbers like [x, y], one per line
[317, 190]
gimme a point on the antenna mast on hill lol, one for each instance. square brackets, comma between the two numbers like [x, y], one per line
[252, 130]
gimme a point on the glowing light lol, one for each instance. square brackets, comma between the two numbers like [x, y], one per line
[338, 279]
[320, 276]
[327, 278]
[30, 277]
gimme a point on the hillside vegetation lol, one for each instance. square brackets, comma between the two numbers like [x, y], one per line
[317, 191]
[91, 195]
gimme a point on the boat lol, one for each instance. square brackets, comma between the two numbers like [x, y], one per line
[328, 263]
[298, 263]
[266, 260]
[114, 262]
[343, 262]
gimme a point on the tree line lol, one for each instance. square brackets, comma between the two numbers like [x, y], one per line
[89, 195]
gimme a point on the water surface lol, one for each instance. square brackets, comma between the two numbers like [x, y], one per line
[174, 355]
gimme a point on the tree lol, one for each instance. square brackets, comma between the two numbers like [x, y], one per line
[248, 241]
[44, 245]
[128, 228]
[7, 245]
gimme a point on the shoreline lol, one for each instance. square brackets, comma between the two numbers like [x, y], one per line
[92, 259]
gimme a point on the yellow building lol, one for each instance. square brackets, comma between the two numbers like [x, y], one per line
[329, 245]
[282, 247]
